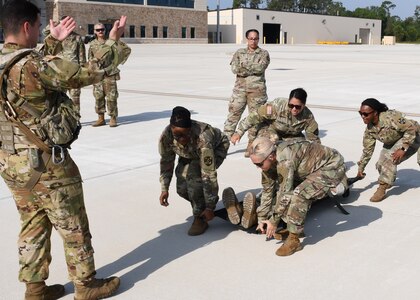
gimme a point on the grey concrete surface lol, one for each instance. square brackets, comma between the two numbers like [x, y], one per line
[370, 254]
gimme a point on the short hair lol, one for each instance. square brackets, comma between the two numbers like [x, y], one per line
[16, 12]
[300, 94]
[99, 24]
[181, 117]
[375, 105]
[251, 30]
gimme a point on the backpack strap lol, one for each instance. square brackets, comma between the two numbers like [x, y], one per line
[8, 109]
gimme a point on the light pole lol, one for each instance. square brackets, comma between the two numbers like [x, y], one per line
[218, 22]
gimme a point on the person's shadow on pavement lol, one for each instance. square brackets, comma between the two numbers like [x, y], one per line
[172, 243]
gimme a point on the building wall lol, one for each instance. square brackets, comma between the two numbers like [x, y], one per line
[300, 28]
[88, 12]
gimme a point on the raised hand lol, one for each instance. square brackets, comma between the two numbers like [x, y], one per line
[118, 29]
[62, 29]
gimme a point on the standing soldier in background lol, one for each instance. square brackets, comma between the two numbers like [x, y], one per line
[73, 49]
[38, 120]
[201, 149]
[106, 90]
[249, 65]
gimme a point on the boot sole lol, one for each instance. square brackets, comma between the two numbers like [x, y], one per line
[230, 202]
[250, 207]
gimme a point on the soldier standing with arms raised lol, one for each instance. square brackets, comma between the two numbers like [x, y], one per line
[249, 65]
[48, 189]
[106, 90]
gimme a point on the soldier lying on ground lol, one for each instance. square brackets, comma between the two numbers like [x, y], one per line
[400, 136]
[201, 149]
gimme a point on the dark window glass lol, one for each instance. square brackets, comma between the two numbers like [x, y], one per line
[90, 28]
[170, 3]
[155, 31]
[192, 32]
[184, 32]
[132, 31]
[165, 32]
[120, 1]
[143, 31]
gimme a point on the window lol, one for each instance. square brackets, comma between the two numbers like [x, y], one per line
[155, 31]
[132, 31]
[142, 31]
[165, 32]
[90, 28]
[184, 32]
[192, 32]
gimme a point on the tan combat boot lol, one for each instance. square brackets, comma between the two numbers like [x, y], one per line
[290, 246]
[379, 195]
[232, 206]
[282, 234]
[40, 291]
[96, 288]
[199, 226]
[100, 121]
[249, 217]
[248, 149]
[113, 122]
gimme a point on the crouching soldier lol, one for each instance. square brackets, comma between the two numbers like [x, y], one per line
[304, 172]
[201, 150]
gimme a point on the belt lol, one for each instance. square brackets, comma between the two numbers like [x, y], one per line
[240, 76]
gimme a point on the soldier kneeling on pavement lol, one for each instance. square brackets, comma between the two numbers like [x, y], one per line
[201, 149]
[294, 175]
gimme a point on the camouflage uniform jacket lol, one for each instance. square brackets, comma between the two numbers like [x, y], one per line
[250, 67]
[277, 116]
[95, 46]
[73, 48]
[36, 77]
[207, 144]
[392, 127]
[295, 162]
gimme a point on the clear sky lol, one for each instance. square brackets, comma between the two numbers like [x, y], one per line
[403, 9]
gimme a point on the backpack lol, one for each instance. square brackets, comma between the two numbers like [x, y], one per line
[59, 124]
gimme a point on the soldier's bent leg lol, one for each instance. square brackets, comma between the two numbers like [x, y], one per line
[255, 99]
[237, 106]
[386, 167]
[34, 238]
[296, 214]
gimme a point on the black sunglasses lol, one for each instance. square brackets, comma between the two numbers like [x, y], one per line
[100, 29]
[291, 106]
[260, 164]
[365, 114]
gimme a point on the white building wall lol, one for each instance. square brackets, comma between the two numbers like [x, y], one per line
[300, 28]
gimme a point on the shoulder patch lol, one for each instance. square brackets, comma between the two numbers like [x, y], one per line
[207, 159]
[401, 120]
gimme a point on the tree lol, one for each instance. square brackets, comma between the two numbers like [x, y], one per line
[238, 3]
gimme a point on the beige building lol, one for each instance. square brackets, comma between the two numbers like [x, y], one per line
[278, 27]
[148, 21]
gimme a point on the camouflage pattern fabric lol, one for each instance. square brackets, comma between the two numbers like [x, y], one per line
[197, 164]
[306, 172]
[106, 91]
[57, 198]
[249, 89]
[395, 132]
[275, 121]
[55, 201]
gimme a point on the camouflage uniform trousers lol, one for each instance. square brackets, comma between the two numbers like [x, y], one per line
[315, 187]
[242, 97]
[74, 95]
[189, 184]
[55, 201]
[267, 132]
[387, 168]
[106, 91]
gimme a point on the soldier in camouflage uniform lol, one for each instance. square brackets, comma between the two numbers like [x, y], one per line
[201, 149]
[106, 90]
[249, 65]
[73, 49]
[48, 193]
[304, 172]
[400, 136]
[281, 119]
